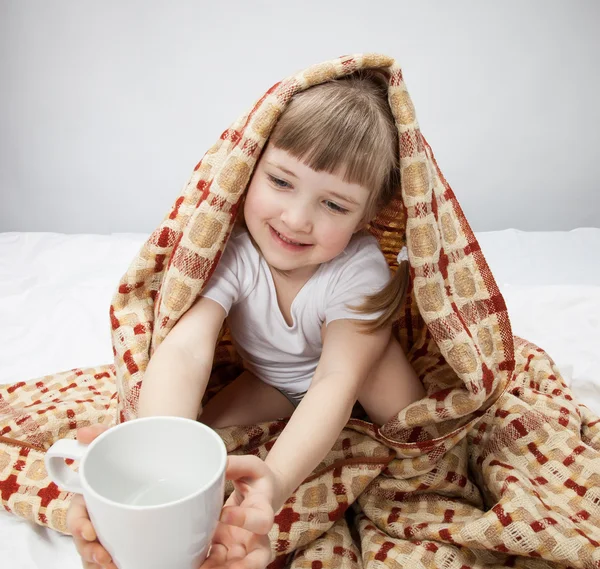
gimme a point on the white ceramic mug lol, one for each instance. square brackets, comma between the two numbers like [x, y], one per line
[153, 488]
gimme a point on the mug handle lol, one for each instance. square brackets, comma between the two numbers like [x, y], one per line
[58, 470]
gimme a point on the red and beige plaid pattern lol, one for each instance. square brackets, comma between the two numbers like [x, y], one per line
[497, 467]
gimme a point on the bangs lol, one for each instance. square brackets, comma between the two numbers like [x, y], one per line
[339, 132]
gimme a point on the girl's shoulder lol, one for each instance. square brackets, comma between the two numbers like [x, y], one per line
[359, 271]
[236, 271]
[240, 256]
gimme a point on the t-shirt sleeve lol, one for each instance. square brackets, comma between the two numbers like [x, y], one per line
[365, 272]
[225, 284]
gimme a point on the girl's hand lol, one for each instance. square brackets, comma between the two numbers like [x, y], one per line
[241, 539]
[93, 555]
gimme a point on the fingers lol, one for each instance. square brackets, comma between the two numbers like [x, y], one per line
[86, 435]
[78, 520]
[234, 551]
[93, 555]
[258, 558]
[249, 507]
[257, 518]
[246, 466]
[216, 558]
[220, 549]
[233, 539]
[235, 499]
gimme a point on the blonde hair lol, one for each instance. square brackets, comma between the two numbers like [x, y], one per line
[346, 127]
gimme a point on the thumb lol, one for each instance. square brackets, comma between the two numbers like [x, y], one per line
[86, 435]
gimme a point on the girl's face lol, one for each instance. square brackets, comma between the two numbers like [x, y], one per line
[298, 217]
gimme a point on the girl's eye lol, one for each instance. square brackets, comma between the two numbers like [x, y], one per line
[335, 207]
[278, 182]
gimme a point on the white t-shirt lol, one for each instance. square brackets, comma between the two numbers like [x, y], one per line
[281, 355]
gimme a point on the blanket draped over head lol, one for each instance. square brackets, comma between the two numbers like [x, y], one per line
[497, 467]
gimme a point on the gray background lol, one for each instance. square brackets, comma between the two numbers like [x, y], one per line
[105, 107]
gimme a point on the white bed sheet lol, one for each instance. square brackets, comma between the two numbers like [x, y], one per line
[55, 291]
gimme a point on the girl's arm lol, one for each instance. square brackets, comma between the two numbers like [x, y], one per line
[179, 369]
[348, 357]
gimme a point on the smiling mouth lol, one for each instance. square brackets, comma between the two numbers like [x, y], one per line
[287, 240]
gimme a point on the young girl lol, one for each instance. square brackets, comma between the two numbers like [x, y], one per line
[309, 302]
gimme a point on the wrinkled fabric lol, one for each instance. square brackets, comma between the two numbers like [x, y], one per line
[497, 467]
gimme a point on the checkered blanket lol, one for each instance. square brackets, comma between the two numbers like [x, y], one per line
[497, 467]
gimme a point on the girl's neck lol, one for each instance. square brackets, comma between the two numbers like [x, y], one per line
[296, 278]
[288, 285]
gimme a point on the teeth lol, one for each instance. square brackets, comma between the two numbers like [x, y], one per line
[288, 240]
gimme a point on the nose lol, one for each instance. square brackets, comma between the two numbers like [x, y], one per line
[298, 217]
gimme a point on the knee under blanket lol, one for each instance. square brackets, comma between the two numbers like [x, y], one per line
[497, 467]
